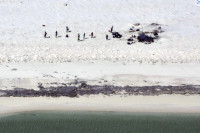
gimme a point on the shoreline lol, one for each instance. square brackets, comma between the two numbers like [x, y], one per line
[101, 103]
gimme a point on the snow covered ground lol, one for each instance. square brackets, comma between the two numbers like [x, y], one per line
[21, 30]
[26, 57]
[28, 75]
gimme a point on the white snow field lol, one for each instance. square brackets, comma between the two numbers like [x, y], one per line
[21, 30]
[26, 57]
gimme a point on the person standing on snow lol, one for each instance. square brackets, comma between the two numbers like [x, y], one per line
[84, 36]
[111, 30]
[92, 35]
[56, 34]
[45, 34]
[107, 37]
[67, 29]
[78, 37]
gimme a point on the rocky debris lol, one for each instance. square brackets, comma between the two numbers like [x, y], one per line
[84, 85]
[85, 89]
[40, 86]
[116, 35]
[135, 27]
[155, 24]
[130, 40]
[136, 24]
[142, 37]
[150, 33]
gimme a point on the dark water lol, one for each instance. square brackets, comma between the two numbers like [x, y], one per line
[99, 122]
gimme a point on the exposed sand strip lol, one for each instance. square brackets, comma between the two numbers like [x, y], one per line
[163, 103]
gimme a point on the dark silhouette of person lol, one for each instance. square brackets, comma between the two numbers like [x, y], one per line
[106, 37]
[45, 35]
[92, 35]
[84, 36]
[111, 30]
[67, 36]
[78, 37]
[56, 34]
[67, 29]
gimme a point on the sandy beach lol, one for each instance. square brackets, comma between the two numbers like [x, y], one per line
[163, 103]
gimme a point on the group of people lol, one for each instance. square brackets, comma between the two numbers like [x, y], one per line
[79, 36]
[56, 33]
[84, 36]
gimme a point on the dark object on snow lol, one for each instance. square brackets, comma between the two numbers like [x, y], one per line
[144, 38]
[111, 30]
[84, 36]
[160, 30]
[131, 29]
[45, 35]
[130, 39]
[67, 29]
[67, 36]
[107, 37]
[78, 37]
[137, 29]
[154, 24]
[43, 25]
[155, 33]
[137, 24]
[129, 43]
[56, 34]
[116, 35]
[83, 85]
[92, 35]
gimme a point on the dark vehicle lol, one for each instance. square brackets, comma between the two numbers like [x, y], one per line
[116, 35]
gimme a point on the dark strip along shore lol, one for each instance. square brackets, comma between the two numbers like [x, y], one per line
[83, 88]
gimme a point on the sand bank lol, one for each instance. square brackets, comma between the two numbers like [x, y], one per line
[163, 103]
